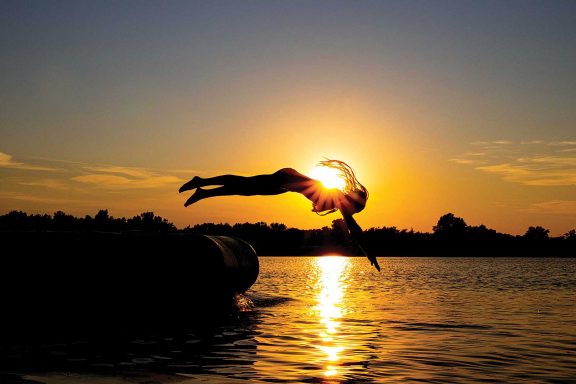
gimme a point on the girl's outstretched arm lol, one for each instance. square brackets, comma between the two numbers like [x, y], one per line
[356, 234]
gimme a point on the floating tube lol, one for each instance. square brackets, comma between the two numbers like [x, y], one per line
[86, 282]
[240, 261]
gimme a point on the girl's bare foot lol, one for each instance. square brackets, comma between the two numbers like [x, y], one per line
[198, 195]
[192, 184]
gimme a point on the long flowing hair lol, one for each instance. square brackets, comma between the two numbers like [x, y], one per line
[352, 186]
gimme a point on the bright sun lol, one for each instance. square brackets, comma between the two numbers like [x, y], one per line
[329, 177]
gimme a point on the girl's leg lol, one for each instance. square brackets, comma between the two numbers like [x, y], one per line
[198, 182]
[222, 180]
[284, 177]
[284, 180]
[237, 185]
[229, 191]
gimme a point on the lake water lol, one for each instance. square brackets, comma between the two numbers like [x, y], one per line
[337, 320]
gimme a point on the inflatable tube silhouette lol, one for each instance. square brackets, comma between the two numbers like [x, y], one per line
[240, 261]
[104, 282]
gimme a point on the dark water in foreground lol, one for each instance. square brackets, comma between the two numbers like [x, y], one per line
[335, 320]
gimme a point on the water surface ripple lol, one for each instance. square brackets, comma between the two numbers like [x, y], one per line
[336, 320]
[420, 319]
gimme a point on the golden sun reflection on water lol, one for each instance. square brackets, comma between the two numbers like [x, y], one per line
[331, 289]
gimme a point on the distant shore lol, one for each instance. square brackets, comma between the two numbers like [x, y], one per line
[451, 236]
[283, 244]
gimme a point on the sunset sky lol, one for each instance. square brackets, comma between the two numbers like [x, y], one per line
[466, 107]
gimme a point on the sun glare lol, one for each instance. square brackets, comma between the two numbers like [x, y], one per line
[329, 177]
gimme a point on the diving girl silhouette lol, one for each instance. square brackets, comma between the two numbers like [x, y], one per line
[352, 199]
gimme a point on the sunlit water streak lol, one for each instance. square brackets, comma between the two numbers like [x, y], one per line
[331, 288]
[336, 320]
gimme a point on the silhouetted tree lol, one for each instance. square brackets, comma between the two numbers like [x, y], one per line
[570, 235]
[13, 221]
[102, 215]
[537, 233]
[63, 222]
[102, 220]
[148, 222]
[450, 225]
[278, 227]
[482, 233]
[39, 222]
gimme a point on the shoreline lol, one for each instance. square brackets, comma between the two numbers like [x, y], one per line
[34, 242]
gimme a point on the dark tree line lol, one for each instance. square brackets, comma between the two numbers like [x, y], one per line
[277, 239]
[450, 236]
[102, 221]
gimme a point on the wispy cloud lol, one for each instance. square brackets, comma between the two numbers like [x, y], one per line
[102, 180]
[555, 207]
[46, 184]
[466, 161]
[127, 171]
[533, 162]
[563, 143]
[6, 161]
[34, 198]
[124, 177]
[83, 187]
